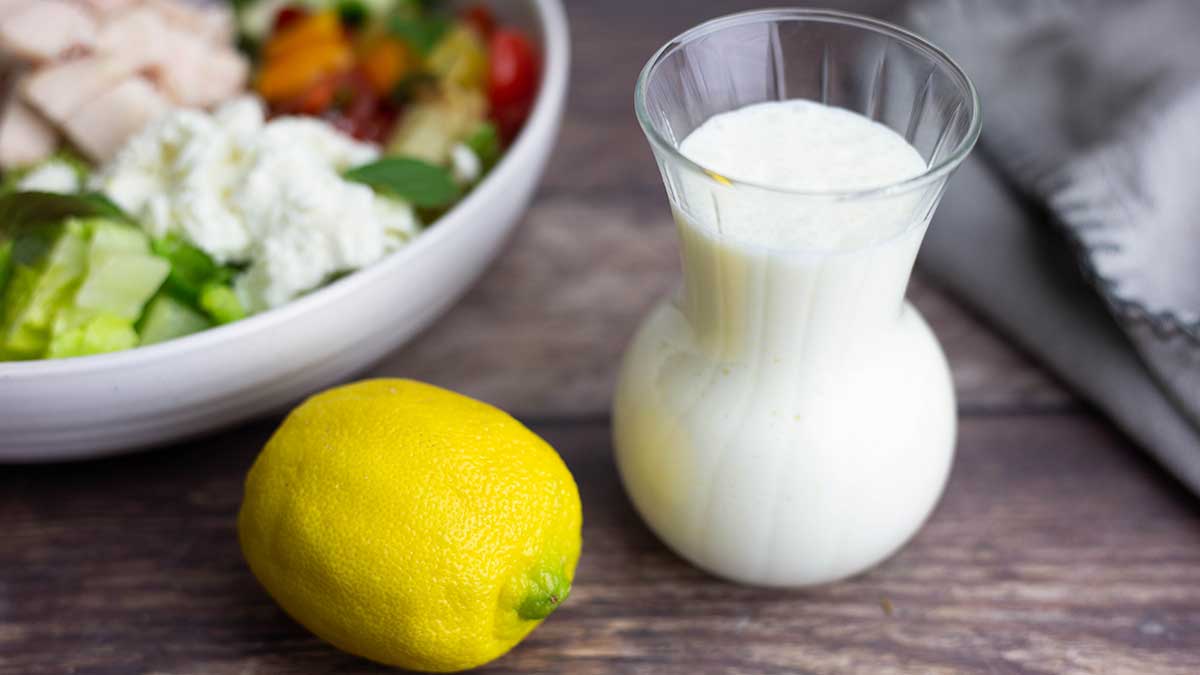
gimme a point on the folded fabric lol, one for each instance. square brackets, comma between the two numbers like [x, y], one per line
[1091, 110]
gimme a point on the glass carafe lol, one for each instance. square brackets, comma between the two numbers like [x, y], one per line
[786, 418]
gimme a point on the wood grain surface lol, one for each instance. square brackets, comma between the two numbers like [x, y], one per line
[1057, 548]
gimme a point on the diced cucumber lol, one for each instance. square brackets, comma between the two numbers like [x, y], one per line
[191, 268]
[167, 318]
[221, 303]
[36, 291]
[82, 333]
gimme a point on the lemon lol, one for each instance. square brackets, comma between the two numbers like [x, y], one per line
[411, 525]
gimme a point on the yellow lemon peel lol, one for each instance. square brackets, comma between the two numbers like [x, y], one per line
[411, 525]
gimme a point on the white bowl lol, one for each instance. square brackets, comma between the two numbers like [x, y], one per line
[113, 403]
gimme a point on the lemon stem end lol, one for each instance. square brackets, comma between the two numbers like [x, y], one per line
[546, 593]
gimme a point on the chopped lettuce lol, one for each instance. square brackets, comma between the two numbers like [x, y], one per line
[70, 286]
[80, 332]
[46, 268]
[122, 273]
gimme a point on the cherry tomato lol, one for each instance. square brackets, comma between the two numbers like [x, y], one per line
[513, 73]
[288, 15]
[512, 80]
[481, 19]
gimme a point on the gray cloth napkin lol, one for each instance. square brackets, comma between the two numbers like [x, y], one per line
[1091, 112]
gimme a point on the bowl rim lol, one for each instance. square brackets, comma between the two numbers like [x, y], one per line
[555, 43]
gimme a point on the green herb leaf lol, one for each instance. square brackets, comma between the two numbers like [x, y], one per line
[421, 32]
[23, 211]
[419, 183]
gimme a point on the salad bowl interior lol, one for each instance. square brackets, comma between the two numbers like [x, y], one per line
[108, 404]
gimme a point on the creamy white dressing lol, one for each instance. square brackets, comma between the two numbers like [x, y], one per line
[805, 146]
[786, 418]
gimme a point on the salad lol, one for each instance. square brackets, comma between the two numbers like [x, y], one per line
[396, 72]
[356, 125]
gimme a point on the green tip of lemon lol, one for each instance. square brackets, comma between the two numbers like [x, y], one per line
[547, 591]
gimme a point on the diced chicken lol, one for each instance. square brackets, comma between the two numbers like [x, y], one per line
[193, 71]
[25, 138]
[213, 22]
[47, 29]
[140, 36]
[98, 71]
[10, 69]
[102, 126]
[196, 73]
[108, 7]
[9, 7]
[10, 64]
[59, 90]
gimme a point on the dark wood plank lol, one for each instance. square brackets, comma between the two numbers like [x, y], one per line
[1056, 549]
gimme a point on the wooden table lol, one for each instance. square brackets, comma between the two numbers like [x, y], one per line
[1058, 546]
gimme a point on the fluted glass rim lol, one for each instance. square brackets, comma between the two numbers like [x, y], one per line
[934, 172]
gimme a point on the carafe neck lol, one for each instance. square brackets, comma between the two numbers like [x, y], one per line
[742, 298]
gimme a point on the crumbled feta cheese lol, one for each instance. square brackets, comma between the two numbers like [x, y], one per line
[266, 194]
[55, 175]
[465, 164]
[398, 219]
